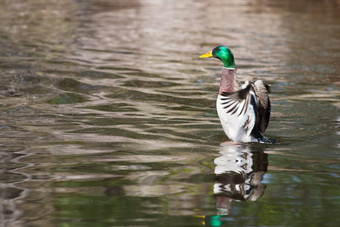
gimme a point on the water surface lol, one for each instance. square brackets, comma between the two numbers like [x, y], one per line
[107, 115]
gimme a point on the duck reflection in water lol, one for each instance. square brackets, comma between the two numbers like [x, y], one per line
[239, 171]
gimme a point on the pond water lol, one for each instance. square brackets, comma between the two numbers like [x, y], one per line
[108, 118]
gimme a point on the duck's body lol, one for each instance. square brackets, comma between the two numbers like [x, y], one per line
[244, 111]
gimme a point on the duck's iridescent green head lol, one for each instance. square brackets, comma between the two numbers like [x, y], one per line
[224, 54]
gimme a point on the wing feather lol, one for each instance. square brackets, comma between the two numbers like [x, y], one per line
[245, 112]
[264, 106]
[238, 108]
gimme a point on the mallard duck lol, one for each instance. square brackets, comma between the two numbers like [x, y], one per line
[244, 110]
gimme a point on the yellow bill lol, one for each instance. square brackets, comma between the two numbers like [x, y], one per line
[207, 55]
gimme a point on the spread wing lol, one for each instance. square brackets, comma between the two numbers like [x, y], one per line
[247, 109]
[263, 104]
[240, 106]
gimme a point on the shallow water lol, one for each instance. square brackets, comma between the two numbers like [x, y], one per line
[107, 115]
